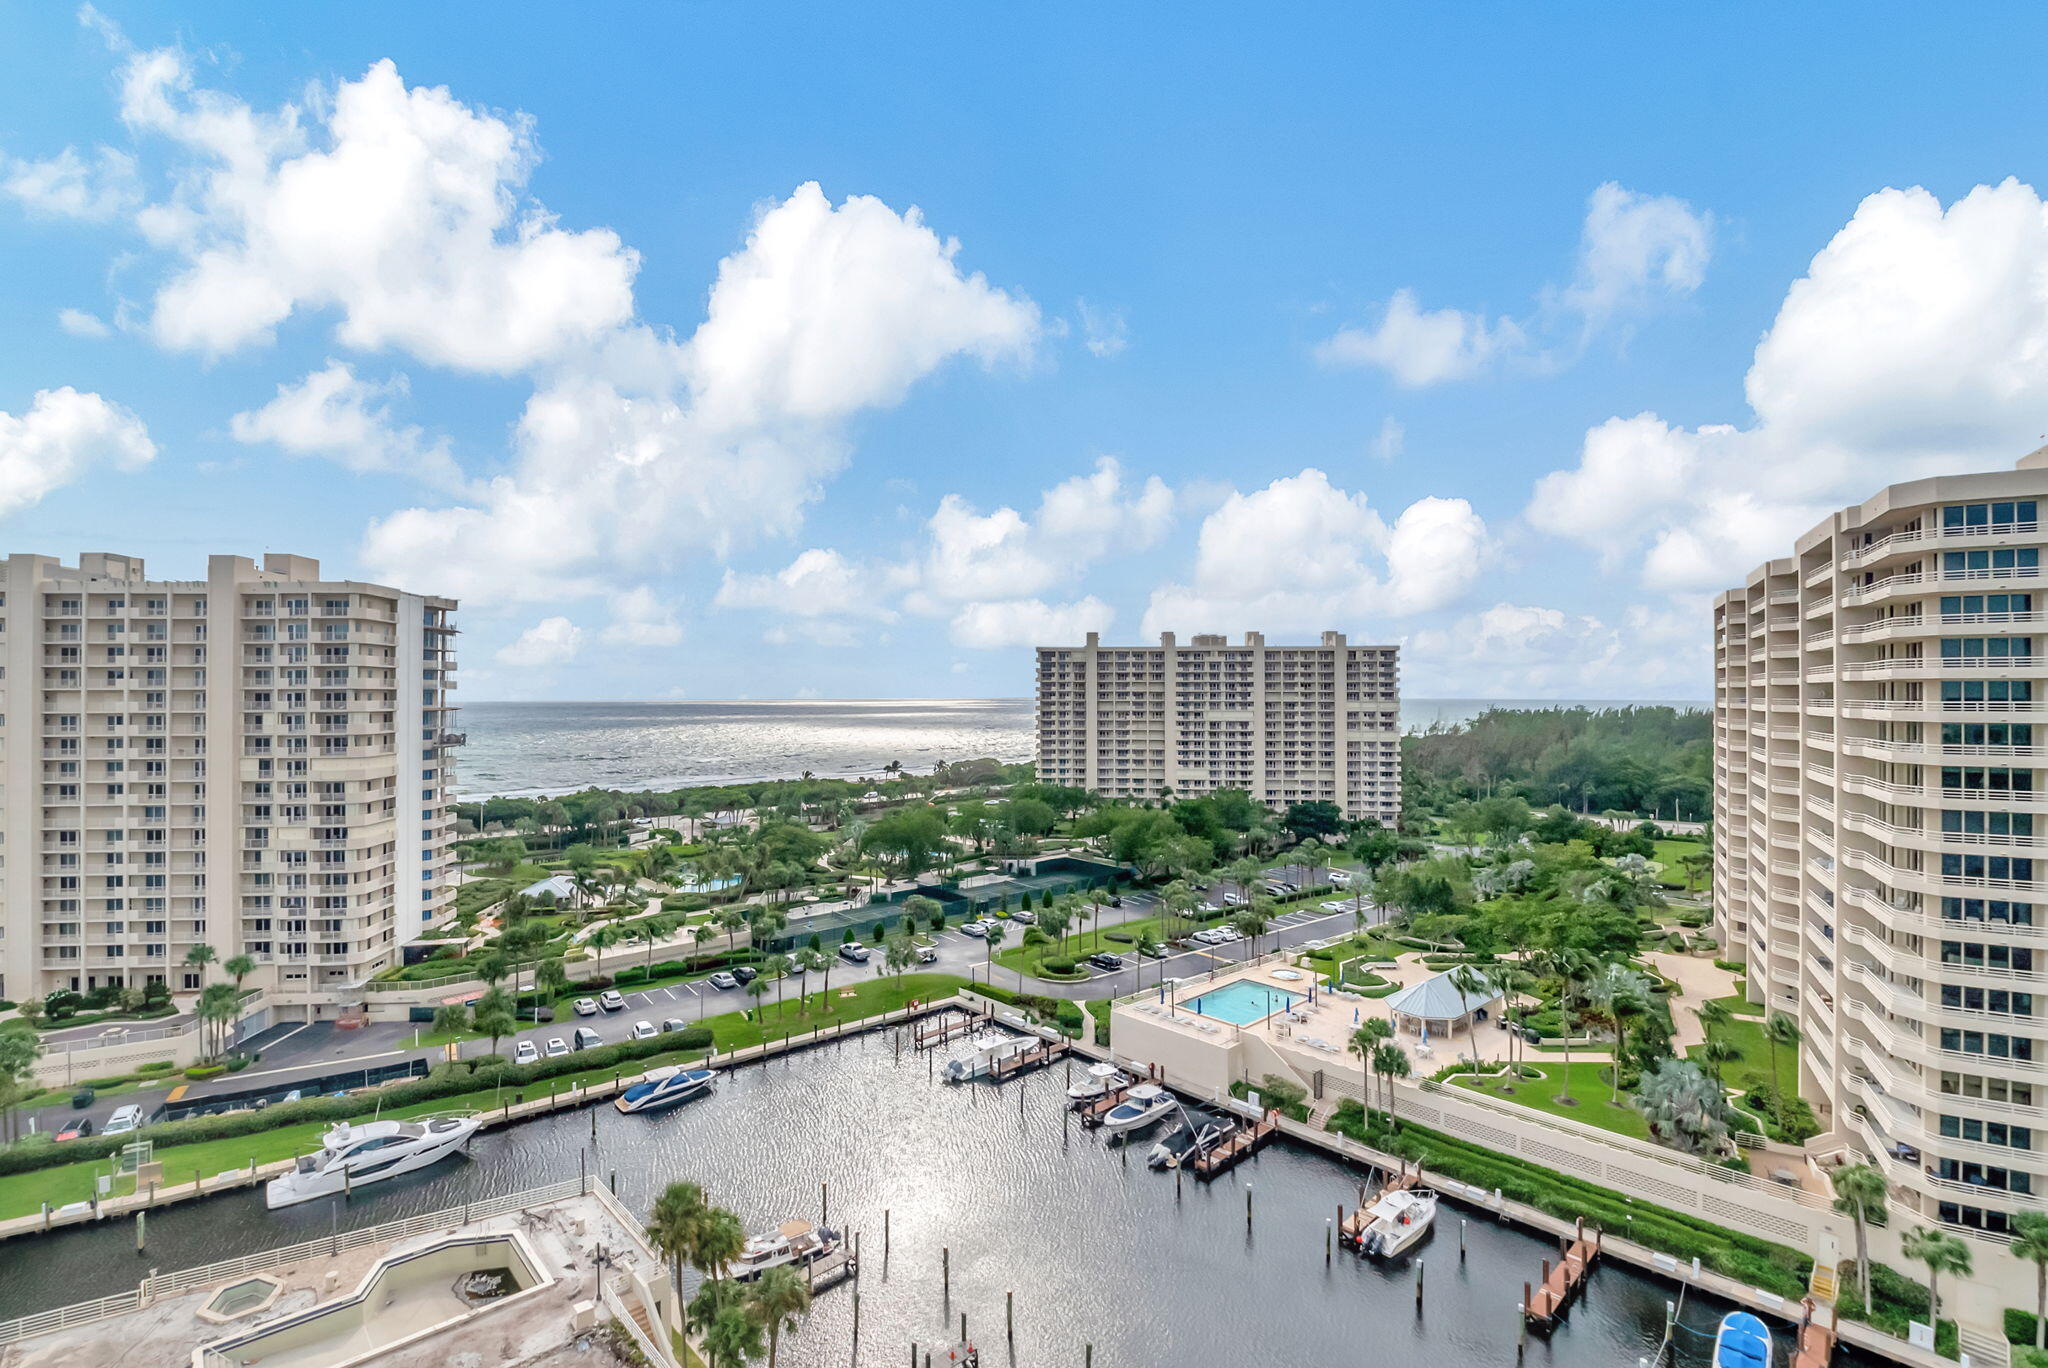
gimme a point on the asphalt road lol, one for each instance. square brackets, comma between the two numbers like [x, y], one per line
[292, 1053]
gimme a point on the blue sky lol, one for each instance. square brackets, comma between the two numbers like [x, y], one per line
[1508, 335]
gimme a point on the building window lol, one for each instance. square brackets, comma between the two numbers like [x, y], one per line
[2002, 514]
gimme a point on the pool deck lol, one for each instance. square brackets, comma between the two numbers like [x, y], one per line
[561, 1236]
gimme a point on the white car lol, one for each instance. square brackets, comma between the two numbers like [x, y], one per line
[1024, 918]
[124, 1119]
[610, 1000]
[526, 1052]
[557, 1047]
[1208, 937]
[586, 1006]
[644, 1030]
[976, 929]
[927, 955]
[1340, 877]
[1337, 905]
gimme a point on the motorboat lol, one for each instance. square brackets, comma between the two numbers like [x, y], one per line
[664, 1087]
[984, 1052]
[1096, 1080]
[352, 1155]
[796, 1241]
[1398, 1220]
[1743, 1341]
[1175, 1149]
[1143, 1105]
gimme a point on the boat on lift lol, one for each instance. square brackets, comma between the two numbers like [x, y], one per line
[1200, 1135]
[796, 1241]
[370, 1152]
[664, 1087]
[1142, 1105]
[1399, 1220]
[1096, 1080]
[984, 1052]
[1743, 1341]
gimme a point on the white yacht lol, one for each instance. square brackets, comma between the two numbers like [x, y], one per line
[985, 1050]
[664, 1087]
[795, 1241]
[1399, 1219]
[1097, 1080]
[1142, 1106]
[351, 1156]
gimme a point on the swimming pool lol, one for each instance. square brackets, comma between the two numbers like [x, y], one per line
[1243, 1002]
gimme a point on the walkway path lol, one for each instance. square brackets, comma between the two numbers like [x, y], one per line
[1699, 981]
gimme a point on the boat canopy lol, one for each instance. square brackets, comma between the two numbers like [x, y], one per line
[1744, 1342]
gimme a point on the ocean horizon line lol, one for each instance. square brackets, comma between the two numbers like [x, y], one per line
[1026, 698]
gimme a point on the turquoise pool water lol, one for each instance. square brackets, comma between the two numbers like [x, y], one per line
[1243, 1002]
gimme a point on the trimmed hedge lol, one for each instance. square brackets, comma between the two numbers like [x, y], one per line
[199, 1072]
[449, 1080]
[1757, 1262]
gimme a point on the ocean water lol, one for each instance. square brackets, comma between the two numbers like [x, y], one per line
[534, 749]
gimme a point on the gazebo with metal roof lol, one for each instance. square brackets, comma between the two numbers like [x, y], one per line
[1437, 1002]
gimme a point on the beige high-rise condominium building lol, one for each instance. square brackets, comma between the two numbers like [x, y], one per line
[256, 761]
[1287, 723]
[1879, 803]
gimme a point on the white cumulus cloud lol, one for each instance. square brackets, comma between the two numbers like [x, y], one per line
[64, 435]
[1029, 622]
[334, 414]
[69, 185]
[1636, 252]
[1912, 346]
[641, 617]
[551, 641]
[79, 323]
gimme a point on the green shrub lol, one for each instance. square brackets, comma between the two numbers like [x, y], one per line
[98, 1083]
[203, 1071]
[2019, 1325]
[1058, 966]
[1729, 966]
[160, 1066]
[1288, 1098]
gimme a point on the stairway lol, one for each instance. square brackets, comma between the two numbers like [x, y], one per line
[1821, 1286]
[1986, 1348]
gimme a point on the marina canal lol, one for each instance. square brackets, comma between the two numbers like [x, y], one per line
[1097, 1248]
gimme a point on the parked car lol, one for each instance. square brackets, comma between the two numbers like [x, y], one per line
[1233, 900]
[1024, 918]
[977, 929]
[1106, 962]
[1337, 905]
[586, 1006]
[77, 1130]
[587, 1039]
[1278, 890]
[1153, 950]
[610, 1000]
[927, 955]
[746, 973]
[1116, 902]
[557, 1047]
[1340, 877]
[124, 1119]
[674, 1024]
[854, 952]
[526, 1052]
[722, 980]
[644, 1030]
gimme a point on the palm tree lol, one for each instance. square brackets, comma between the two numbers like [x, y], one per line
[1612, 996]
[1310, 853]
[675, 1226]
[1684, 1106]
[1860, 1191]
[996, 931]
[1364, 1041]
[1391, 1062]
[1569, 966]
[1713, 1016]
[1253, 920]
[1472, 986]
[218, 1005]
[493, 1016]
[198, 957]
[2030, 1241]
[604, 937]
[719, 1241]
[550, 980]
[1942, 1253]
[241, 966]
[450, 1018]
[806, 962]
[654, 930]
[1781, 1030]
[779, 1298]
[733, 1339]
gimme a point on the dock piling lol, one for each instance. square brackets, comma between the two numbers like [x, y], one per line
[824, 1204]
[963, 1327]
[1420, 1266]
[885, 1239]
[856, 1327]
[141, 1231]
[1010, 1316]
[1326, 1242]
[1461, 1239]
[946, 1272]
[1247, 1208]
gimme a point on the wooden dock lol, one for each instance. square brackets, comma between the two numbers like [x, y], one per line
[1546, 1305]
[833, 1269]
[1242, 1142]
[1351, 1228]
[1815, 1346]
[1039, 1055]
[949, 1025]
[1093, 1110]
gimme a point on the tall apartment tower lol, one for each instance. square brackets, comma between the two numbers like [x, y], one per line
[1878, 802]
[256, 761]
[1287, 723]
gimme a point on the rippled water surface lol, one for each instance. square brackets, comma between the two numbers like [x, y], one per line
[1097, 1249]
[541, 748]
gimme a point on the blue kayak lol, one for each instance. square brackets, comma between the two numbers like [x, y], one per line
[1743, 1342]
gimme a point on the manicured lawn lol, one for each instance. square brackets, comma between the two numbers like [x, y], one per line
[1668, 853]
[1588, 1089]
[21, 1193]
[1078, 946]
[1754, 1066]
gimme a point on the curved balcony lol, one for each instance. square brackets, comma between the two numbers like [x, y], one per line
[1942, 885]
[1868, 901]
[1907, 1045]
[1939, 710]
[1935, 753]
[1920, 539]
[1945, 667]
[1925, 795]
[1918, 584]
[1922, 838]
